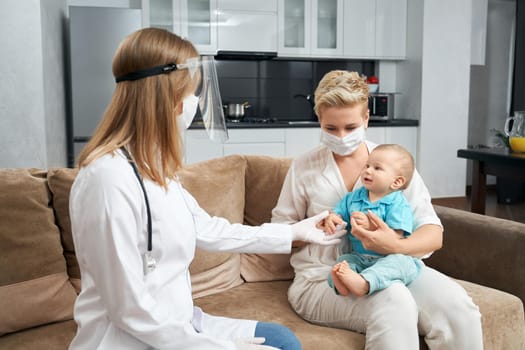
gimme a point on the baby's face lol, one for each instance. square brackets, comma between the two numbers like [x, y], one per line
[380, 171]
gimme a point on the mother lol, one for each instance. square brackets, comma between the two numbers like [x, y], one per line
[433, 305]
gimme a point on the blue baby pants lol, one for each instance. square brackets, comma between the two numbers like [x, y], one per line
[382, 271]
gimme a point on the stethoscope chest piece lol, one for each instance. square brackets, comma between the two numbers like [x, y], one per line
[149, 262]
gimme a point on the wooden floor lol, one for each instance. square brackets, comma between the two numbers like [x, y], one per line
[515, 212]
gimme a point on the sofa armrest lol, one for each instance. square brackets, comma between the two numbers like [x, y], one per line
[482, 249]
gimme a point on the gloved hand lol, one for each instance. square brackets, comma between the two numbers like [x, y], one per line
[252, 344]
[306, 230]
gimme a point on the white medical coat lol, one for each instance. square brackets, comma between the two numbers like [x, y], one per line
[313, 184]
[121, 308]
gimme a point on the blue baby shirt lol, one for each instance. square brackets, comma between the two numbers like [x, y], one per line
[393, 209]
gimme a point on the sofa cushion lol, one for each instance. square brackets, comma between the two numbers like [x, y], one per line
[53, 336]
[60, 181]
[267, 301]
[218, 186]
[34, 285]
[502, 317]
[264, 179]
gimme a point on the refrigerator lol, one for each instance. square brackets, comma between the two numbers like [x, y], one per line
[94, 35]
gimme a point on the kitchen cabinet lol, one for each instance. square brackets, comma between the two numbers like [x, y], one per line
[375, 29]
[195, 20]
[269, 142]
[405, 136]
[282, 142]
[300, 140]
[213, 25]
[310, 28]
[248, 25]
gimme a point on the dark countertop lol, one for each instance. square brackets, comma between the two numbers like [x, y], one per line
[305, 124]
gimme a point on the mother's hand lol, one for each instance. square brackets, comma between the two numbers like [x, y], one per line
[383, 239]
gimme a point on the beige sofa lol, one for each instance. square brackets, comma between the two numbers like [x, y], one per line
[39, 276]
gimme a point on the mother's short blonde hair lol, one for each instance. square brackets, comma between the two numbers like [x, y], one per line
[340, 88]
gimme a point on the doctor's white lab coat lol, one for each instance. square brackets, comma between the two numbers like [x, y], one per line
[121, 308]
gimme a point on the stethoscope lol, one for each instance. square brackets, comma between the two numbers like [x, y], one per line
[149, 262]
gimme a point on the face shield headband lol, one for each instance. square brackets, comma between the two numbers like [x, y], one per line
[210, 103]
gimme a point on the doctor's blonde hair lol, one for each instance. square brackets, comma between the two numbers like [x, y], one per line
[340, 88]
[142, 113]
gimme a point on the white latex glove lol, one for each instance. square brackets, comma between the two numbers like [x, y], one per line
[252, 344]
[306, 231]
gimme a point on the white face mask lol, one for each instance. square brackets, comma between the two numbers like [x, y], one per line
[189, 108]
[346, 145]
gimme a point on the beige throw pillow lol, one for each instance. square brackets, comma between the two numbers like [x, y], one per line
[60, 181]
[264, 180]
[34, 285]
[218, 186]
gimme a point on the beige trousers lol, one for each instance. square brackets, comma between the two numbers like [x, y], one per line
[434, 306]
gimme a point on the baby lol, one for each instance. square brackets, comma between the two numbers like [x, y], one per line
[388, 170]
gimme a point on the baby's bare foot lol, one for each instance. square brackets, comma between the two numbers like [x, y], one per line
[338, 284]
[352, 281]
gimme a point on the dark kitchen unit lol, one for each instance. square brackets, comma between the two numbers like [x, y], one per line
[277, 90]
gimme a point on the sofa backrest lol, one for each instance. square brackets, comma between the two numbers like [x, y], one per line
[59, 181]
[264, 180]
[217, 185]
[34, 283]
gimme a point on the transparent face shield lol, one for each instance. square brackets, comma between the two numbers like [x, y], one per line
[210, 103]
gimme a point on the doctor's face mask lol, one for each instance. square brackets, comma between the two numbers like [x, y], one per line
[207, 95]
[189, 108]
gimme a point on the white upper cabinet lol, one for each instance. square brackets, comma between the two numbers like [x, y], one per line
[359, 28]
[391, 28]
[248, 25]
[327, 27]
[310, 28]
[195, 20]
[371, 29]
[375, 29]
[163, 14]
[294, 27]
[199, 24]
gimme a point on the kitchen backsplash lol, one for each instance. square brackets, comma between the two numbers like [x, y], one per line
[269, 86]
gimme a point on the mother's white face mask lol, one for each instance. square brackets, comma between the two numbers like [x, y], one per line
[344, 145]
[189, 108]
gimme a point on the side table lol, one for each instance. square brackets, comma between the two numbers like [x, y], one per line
[491, 161]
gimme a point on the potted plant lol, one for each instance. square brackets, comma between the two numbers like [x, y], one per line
[501, 139]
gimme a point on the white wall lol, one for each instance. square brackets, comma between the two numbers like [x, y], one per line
[32, 102]
[445, 77]
[490, 83]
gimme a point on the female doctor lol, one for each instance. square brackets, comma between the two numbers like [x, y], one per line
[135, 228]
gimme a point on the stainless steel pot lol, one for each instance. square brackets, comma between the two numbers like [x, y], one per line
[235, 111]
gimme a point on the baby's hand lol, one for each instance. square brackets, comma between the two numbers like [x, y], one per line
[332, 222]
[362, 220]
